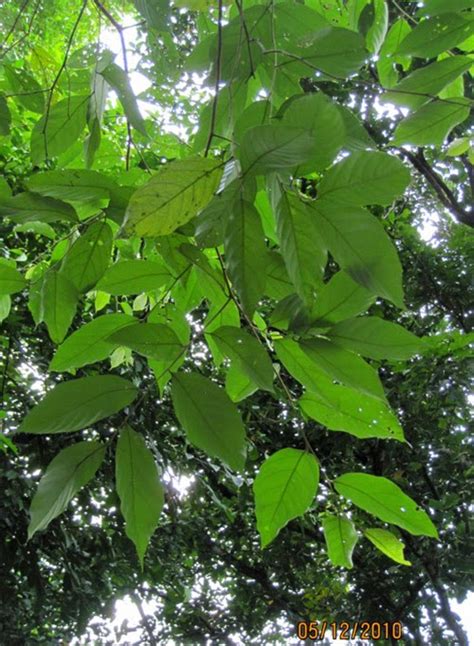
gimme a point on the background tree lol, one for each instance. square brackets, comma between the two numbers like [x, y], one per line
[207, 278]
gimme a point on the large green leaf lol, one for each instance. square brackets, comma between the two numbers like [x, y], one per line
[155, 12]
[173, 196]
[335, 51]
[365, 178]
[301, 246]
[28, 207]
[432, 123]
[385, 500]
[378, 29]
[437, 34]
[210, 419]
[339, 299]
[284, 488]
[139, 488]
[117, 78]
[153, 340]
[58, 303]
[346, 367]
[249, 355]
[325, 123]
[11, 281]
[416, 89]
[268, 148]
[74, 184]
[387, 543]
[340, 408]
[341, 538]
[89, 343]
[246, 253]
[129, 277]
[88, 258]
[237, 384]
[74, 405]
[373, 337]
[359, 244]
[67, 473]
[59, 128]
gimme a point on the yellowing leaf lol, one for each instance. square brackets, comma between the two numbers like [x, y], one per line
[173, 196]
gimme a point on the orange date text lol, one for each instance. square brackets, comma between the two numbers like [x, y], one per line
[365, 630]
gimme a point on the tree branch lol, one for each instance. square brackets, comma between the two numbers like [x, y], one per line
[444, 193]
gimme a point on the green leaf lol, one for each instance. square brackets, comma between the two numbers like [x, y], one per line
[210, 419]
[139, 488]
[249, 355]
[246, 251]
[89, 343]
[58, 303]
[59, 129]
[278, 284]
[385, 500]
[428, 80]
[324, 121]
[431, 124]
[356, 136]
[153, 340]
[155, 12]
[387, 543]
[299, 364]
[129, 277]
[5, 306]
[360, 246]
[74, 184]
[301, 246]
[79, 403]
[386, 69]
[284, 488]
[346, 367]
[435, 35]
[341, 538]
[335, 51]
[88, 258]
[265, 149]
[339, 299]
[26, 88]
[365, 178]
[28, 207]
[436, 7]
[173, 196]
[67, 473]
[11, 281]
[237, 384]
[373, 337]
[5, 117]
[378, 30]
[340, 408]
[117, 78]
[458, 147]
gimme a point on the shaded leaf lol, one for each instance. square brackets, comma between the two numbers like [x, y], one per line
[129, 277]
[117, 78]
[88, 258]
[341, 538]
[139, 488]
[153, 340]
[11, 281]
[210, 419]
[67, 473]
[29, 207]
[74, 405]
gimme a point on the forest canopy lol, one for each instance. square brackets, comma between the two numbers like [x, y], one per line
[236, 308]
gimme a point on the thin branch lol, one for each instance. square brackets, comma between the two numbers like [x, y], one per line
[120, 29]
[60, 71]
[15, 22]
[218, 78]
